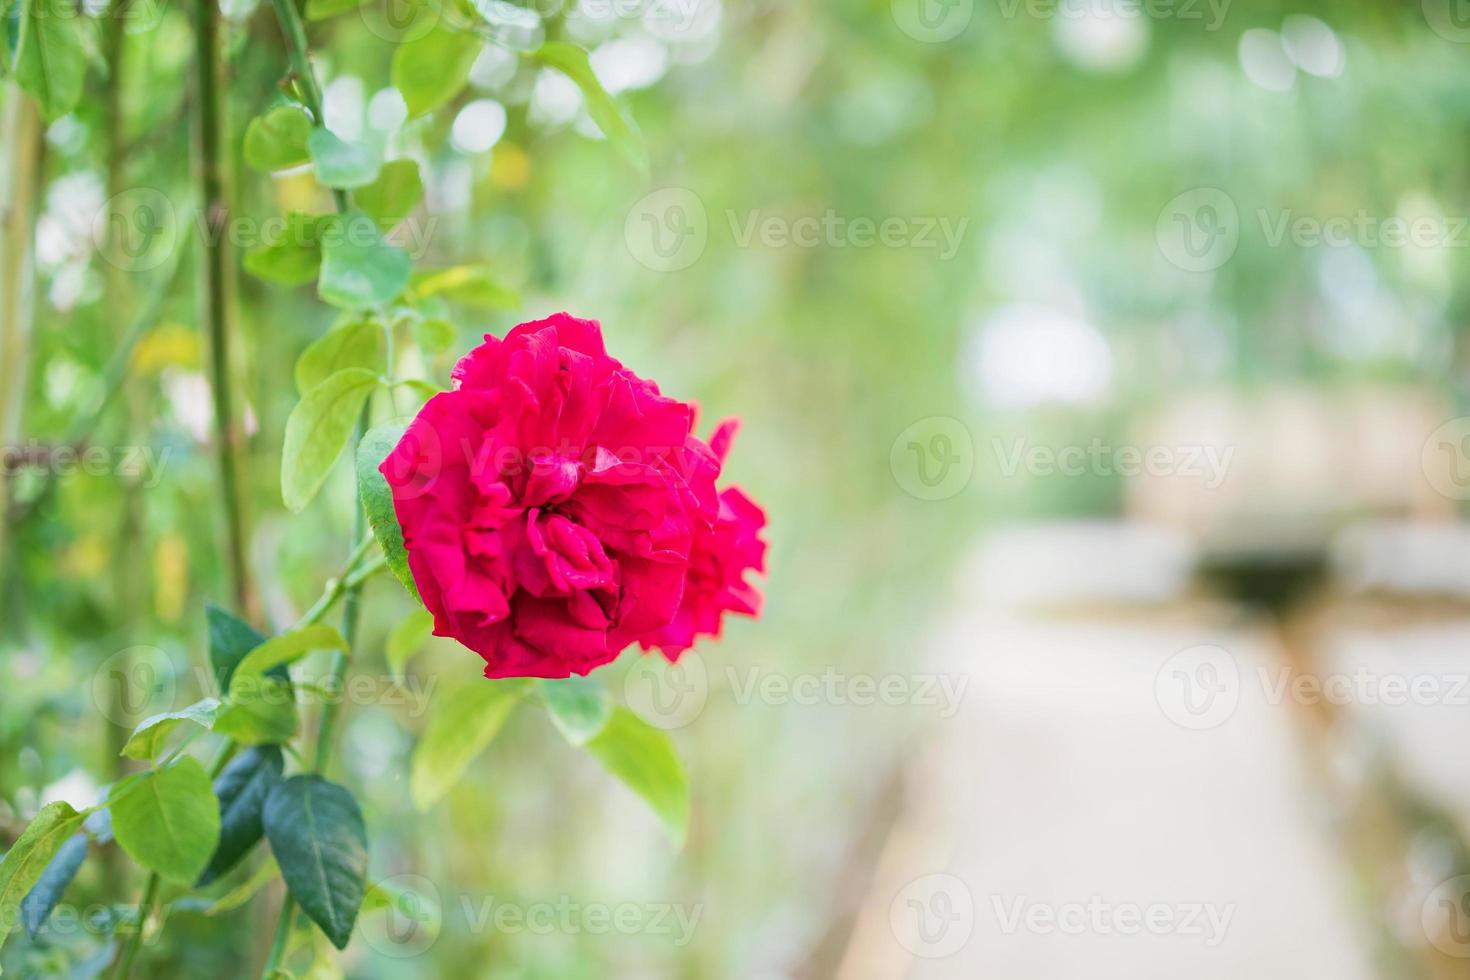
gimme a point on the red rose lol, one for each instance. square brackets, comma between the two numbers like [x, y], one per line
[721, 556]
[551, 502]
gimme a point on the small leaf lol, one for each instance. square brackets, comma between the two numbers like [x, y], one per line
[458, 730]
[432, 69]
[230, 639]
[168, 821]
[51, 63]
[277, 140]
[27, 860]
[36, 908]
[615, 123]
[472, 285]
[317, 835]
[579, 706]
[394, 195]
[285, 649]
[643, 757]
[242, 790]
[411, 633]
[359, 269]
[357, 343]
[317, 429]
[377, 500]
[260, 711]
[149, 737]
[323, 9]
[293, 257]
[341, 164]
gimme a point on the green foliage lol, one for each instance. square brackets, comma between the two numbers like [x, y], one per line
[579, 706]
[433, 68]
[616, 124]
[644, 758]
[230, 639]
[261, 710]
[323, 9]
[377, 500]
[168, 819]
[318, 430]
[411, 633]
[277, 140]
[339, 163]
[358, 342]
[148, 738]
[472, 285]
[359, 269]
[285, 649]
[317, 834]
[460, 728]
[242, 789]
[27, 859]
[392, 197]
[50, 62]
[44, 896]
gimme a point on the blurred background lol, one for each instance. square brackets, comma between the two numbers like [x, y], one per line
[1102, 370]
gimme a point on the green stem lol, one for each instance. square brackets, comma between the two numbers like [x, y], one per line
[283, 933]
[150, 896]
[311, 90]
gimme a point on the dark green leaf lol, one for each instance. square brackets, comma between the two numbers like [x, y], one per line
[168, 820]
[230, 639]
[316, 431]
[643, 757]
[377, 499]
[47, 892]
[316, 832]
[242, 790]
[277, 140]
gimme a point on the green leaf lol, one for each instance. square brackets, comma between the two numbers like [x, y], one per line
[643, 757]
[26, 861]
[579, 706]
[242, 790]
[472, 285]
[341, 164]
[293, 256]
[285, 649]
[615, 123]
[149, 737]
[51, 62]
[411, 633]
[317, 429]
[359, 269]
[377, 500]
[168, 821]
[322, 9]
[277, 140]
[317, 834]
[434, 334]
[260, 711]
[357, 343]
[394, 195]
[458, 730]
[432, 69]
[230, 639]
[36, 908]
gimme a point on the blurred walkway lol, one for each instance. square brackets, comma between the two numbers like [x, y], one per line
[1110, 802]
